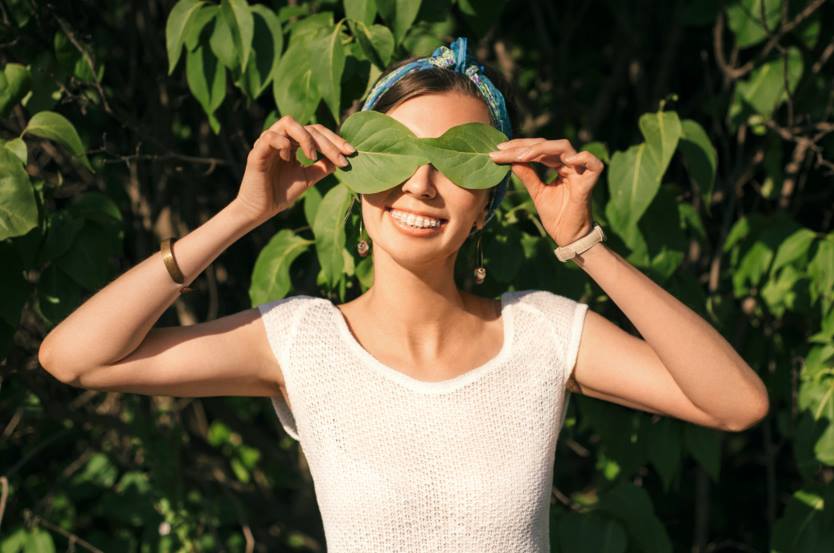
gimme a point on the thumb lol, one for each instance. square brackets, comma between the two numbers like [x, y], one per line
[528, 177]
[319, 170]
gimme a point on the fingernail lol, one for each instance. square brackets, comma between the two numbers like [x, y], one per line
[501, 145]
[351, 148]
[342, 160]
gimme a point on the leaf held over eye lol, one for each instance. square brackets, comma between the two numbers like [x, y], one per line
[386, 152]
[462, 154]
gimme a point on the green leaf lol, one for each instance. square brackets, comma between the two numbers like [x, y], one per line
[62, 228]
[15, 83]
[39, 540]
[95, 206]
[376, 43]
[821, 270]
[58, 294]
[700, 159]
[268, 43]
[588, 533]
[386, 152]
[207, 81]
[18, 147]
[662, 131]
[196, 23]
[664, 449]
[328, 69]
[222, 43]
[765, 89]
[704, 444]
[306, 30]
[779, 292]
[462, 154]
[753, 20]
[294, 88]
[806, 522]
[239, 16]
[89, 260]
[817, 398]
[175, 29]
[271, 274]
[361, 10]
[399, 14]
[18, 209]
[633, 507]
[54, 126]
[329, 230]
[312, 199]
[793, 248]
[635, 174]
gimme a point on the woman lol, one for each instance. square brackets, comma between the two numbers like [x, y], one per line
[428, 416]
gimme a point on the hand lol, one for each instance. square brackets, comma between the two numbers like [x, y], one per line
[274, 178]
[563, 205]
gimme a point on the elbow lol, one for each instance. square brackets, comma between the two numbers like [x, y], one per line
[757, 414]
[47, 361]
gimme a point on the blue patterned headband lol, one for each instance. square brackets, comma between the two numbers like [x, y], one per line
[457, 58]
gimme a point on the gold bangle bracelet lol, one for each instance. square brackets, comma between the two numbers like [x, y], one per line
[171, 264]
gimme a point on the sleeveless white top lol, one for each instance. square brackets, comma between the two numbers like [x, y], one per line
[400, 464]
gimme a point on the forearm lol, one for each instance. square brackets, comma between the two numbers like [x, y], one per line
[705, 366]
[116, 319]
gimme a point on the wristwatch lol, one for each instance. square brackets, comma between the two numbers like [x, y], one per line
[576, 247]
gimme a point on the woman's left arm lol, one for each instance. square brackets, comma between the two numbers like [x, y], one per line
[682, 367]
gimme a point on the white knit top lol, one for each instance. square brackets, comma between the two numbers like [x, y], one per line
[404, 465]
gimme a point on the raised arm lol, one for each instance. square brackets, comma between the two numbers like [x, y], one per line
[682, 367]
[108, 343]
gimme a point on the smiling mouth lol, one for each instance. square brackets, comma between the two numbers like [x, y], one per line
[401, 221]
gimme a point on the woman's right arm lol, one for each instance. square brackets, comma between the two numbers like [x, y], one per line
[108, 343]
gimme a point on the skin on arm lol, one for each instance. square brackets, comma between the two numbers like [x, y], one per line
[108, 342]
[681, 367]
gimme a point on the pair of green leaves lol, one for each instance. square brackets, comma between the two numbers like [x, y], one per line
[387, 153]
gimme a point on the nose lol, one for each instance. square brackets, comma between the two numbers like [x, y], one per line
[421, 182]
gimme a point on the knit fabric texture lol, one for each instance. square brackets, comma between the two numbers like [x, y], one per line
[400, 464]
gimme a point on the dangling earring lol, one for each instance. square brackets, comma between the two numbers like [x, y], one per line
[362, 245]
[480, 270]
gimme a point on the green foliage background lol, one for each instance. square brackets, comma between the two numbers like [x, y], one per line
[124, 123]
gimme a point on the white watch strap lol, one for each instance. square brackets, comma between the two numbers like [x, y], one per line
[569, 251]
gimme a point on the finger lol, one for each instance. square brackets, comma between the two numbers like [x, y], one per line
[587, 159]
[518, 142]
[529, 178]
[551, 148]
[292, 128]
[330, 150]
[280, 143]
[345, 146]
[266, 145]
[317, 171]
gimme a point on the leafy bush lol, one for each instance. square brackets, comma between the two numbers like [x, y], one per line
[124, 123]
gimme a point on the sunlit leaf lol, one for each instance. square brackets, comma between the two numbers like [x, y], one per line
[175, 29]
[54, 126]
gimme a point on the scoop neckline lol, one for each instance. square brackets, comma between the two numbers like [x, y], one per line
[417, 384]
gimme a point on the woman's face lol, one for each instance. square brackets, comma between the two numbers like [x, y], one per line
[428, 191]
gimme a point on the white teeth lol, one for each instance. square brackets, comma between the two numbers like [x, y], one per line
[415, 221]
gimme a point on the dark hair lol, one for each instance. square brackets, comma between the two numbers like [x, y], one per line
[439, 79]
